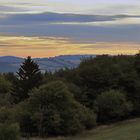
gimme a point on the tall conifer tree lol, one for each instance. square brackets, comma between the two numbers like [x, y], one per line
[29, 76]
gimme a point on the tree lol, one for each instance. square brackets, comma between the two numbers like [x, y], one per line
[54, 111]
[5, 88]
[5, 85]
[112, 105]
[137, 63]
[29, 76]
[9, 132]
[97, 75]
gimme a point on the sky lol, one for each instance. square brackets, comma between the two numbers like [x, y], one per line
[45, 28]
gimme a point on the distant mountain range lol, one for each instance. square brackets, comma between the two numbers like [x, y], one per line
[12, 63]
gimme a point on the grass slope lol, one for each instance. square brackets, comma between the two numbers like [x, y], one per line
[127, 130]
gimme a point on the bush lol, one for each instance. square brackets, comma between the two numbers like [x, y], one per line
[5, 88]
[54, 111]
[112, 105]
[9, 132]
[6, 115]
[5, 85]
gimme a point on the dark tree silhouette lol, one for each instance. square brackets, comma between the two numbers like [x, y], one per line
[29, 76]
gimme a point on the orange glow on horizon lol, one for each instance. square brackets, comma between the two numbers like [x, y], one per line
[54, 46]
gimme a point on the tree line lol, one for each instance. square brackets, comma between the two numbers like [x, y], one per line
[100, 90]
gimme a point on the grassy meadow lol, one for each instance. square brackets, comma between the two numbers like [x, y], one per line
[127, 130]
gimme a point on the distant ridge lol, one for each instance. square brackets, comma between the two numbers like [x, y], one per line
[12, 63]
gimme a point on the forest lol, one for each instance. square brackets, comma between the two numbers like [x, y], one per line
[101, 90]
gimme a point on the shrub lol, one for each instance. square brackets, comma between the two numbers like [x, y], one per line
[5, 85]
[54, 111]
[112, 105]
[9, 132]
[6, 115]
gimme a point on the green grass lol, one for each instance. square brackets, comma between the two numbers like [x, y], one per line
[127, 130]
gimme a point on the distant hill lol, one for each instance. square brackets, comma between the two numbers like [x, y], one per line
[12, 63]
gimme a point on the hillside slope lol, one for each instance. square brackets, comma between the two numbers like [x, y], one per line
[127, 130]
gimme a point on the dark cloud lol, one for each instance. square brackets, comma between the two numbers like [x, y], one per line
[78, 32]
[55, 17]
[41, 25]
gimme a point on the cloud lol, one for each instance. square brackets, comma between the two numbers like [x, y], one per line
[84, 33]
[86, 28]
[52, 18]
[109, 7]
[52, 46]
[57, 17]
[116, 9]
[7, 9]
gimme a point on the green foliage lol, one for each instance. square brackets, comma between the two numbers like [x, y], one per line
[6, 115]
[5, 100]
[112, 105]
[137, 62]
[100, 74]
[75, 90]
[5, 89]
[9, 132]
[11, 77]
[24, 117]
[29, 76]
[62, 103]
[55, 112]
[5, 85]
